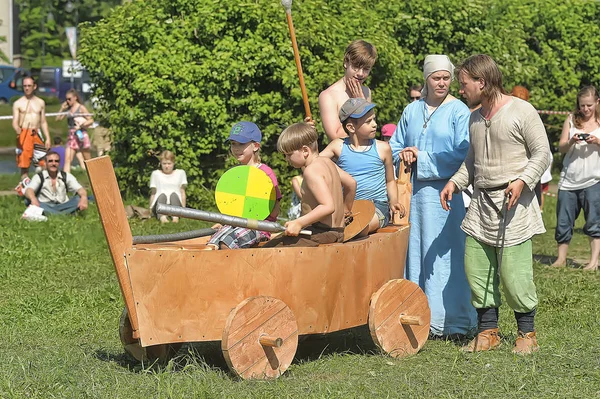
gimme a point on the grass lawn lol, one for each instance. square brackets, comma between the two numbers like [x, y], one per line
[60, 307]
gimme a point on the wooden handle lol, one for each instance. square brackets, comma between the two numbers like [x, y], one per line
[404, 171]
[298, 64]
[410, 320]
[273, 342]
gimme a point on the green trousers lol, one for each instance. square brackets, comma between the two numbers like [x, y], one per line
[516, 275]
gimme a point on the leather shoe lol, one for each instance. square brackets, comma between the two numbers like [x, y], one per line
[526, 343]
[484, 341]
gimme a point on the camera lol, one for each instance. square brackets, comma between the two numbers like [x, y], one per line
[583, 136]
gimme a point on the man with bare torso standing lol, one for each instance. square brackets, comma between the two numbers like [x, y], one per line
[359, 58]
[29, 115]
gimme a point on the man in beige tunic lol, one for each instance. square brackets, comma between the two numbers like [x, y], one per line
[509, 153]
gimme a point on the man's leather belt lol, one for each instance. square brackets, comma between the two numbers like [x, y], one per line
[502, 187]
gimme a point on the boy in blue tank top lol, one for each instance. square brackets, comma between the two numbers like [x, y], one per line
[367, 160]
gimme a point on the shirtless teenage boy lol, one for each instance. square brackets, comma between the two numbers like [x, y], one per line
[29, 115]
[359, 58]
[327, 191]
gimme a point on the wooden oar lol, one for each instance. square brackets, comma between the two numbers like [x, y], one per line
[215, 217]
[287, 5]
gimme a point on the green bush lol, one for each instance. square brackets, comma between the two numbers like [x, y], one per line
[177, 74]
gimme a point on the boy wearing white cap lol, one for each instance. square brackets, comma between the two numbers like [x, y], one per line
[367, 160]
[433, 136]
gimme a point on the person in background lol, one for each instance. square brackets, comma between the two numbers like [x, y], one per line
[414, 92]
[102, 136]
[60, 150]
[29, 116]
[48, 189]
[167, 185]
[579, 184]
[387, 131]
[78, 141]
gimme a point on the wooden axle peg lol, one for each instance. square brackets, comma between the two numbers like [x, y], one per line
[273, 342]
[410, 320]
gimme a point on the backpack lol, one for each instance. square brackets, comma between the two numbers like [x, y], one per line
[41, 176]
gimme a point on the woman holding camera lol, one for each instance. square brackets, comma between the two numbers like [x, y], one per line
[579, 184]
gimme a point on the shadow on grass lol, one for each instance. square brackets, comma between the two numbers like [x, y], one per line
[122, 359]
[208, 355]
[355, 340]
[549, 260]
[205, 355]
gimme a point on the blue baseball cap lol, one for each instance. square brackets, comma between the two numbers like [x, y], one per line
[355, 108]
[245, 132]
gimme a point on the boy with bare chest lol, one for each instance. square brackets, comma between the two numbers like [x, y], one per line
[359, 58]
[327, 191]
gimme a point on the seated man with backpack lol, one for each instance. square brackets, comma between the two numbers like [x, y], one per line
[48, 189]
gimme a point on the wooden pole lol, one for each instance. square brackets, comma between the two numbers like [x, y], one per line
[287, 4]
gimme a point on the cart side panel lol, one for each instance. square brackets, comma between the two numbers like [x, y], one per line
[115, 224]
[186, 296]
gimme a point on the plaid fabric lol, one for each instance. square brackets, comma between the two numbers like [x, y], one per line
[238, 237]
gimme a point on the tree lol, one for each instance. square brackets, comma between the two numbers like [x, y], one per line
[3, 56]
[42, 27]
[177, 74]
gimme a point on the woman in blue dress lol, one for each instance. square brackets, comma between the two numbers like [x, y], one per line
[433, 137]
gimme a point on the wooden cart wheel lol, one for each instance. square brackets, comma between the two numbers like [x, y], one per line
[260, 338]
[160, 353]
[399, 318]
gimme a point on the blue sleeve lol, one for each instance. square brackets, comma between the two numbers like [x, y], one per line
[397, 142]
[442, 165]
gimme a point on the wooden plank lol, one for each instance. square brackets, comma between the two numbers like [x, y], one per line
[116, 227]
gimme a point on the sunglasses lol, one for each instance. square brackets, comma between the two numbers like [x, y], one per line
[69, 98]
[415, 98]
[53, 161]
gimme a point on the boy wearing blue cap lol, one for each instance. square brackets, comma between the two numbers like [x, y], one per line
[244, 139]
[367, 160]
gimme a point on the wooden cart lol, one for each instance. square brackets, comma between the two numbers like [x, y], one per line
[257, 301]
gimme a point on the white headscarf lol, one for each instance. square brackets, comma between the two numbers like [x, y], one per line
[434, 63]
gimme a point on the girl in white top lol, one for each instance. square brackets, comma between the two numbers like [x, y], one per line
[579, 184]
[167, 186]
